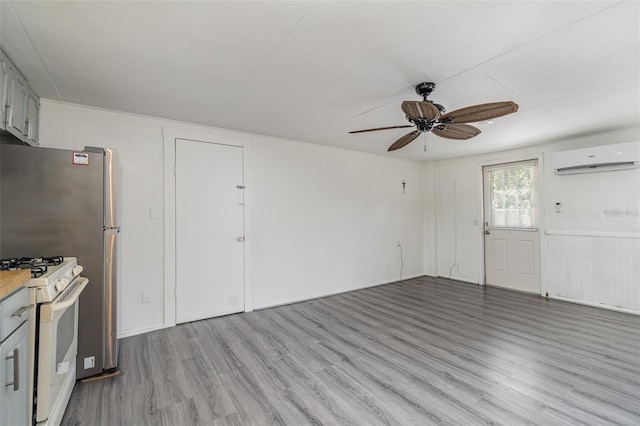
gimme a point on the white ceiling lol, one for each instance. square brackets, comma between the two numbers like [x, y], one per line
[312, 71]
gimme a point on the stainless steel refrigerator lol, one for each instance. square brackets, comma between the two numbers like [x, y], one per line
[56, 202]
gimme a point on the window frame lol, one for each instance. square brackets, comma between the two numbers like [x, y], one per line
[532, 164]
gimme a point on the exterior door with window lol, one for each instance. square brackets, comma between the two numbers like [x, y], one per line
[511, 234]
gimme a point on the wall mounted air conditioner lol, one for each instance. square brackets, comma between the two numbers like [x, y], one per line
[598, 158]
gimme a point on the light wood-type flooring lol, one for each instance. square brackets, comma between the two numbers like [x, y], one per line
[421, 351]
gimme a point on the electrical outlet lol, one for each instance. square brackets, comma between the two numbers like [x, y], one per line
[89, 362]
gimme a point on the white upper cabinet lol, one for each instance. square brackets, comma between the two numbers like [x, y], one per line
[4, 80]
[16, 104]
[20, 104]
[32, 118]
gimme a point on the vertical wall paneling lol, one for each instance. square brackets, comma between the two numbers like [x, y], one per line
[169, 226]
[429, 210]
[126, 291]
[606, 204]
[457, 225]
[602, 270]
[52, 123]
[345, 212]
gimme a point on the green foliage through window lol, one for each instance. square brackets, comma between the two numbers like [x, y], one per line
[512, 197]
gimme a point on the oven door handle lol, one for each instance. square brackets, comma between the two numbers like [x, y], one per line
[82, 283]
[51, 309]
[48, 310]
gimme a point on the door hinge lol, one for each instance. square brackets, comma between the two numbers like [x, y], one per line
[240, 186]
[175, 170]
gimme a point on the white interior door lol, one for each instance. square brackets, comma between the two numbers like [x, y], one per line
[209, 230]
[511, 240]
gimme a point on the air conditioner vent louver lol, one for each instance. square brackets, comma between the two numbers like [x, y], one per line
[598, 158]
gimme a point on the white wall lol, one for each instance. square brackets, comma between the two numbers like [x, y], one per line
[591, 256]
[430, 212]
[324, 220]
[327, 220]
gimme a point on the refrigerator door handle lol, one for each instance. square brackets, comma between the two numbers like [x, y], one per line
[110, 187]
[110, 342]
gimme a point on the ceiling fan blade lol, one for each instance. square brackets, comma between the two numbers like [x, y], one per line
[456, 131]
[404, 141]
[382, 128]
[480, 112]
[420, 110]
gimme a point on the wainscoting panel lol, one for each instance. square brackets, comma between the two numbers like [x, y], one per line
[595, 268]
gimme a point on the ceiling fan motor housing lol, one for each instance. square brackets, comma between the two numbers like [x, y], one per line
[421, 125]
[425, 89]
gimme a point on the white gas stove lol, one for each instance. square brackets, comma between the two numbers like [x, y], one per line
[54, 289]
[55, 280]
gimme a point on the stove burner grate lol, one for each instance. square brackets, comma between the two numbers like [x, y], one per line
[38, 265]
[53, 260]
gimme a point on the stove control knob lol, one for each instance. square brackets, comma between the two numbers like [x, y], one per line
[61, 284]
[77, 270]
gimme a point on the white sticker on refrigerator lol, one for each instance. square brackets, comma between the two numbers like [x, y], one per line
[81, 158]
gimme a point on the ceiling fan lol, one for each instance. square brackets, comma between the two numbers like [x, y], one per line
[428, 116]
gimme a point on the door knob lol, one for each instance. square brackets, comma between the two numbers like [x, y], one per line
[240, 239]
[487, 232]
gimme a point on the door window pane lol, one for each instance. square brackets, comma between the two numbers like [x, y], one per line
[511, 197]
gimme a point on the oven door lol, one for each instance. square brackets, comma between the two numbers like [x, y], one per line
[58, 346]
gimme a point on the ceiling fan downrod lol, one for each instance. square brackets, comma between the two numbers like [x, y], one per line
[425, 89]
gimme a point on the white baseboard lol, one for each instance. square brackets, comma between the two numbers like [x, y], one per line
[320, 295]
[456, 278]
[561, 298]
[148, 329]
[408, 277]
[141, 330]
[596, 305]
